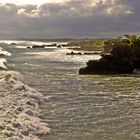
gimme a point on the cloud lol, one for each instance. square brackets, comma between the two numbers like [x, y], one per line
[86, 8]
[31, 2]
[73, 18]
[33, 13]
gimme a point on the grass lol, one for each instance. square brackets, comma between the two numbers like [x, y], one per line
[89, 44]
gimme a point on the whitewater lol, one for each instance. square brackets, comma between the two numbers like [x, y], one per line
[19, 106]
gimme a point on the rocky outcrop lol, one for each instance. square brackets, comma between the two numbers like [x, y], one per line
[83, 53]
[119, 61]
[43, 46]
[107, 67]
[38, 46]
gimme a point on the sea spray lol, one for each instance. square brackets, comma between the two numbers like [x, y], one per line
[19, 107]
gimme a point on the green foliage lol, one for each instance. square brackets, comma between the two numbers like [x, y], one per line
[129, 41]
[123, 52]
[115, 42]
[89, 44]
[98, 44]
[135, 45]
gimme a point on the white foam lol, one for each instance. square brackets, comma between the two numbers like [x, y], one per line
[51, 47]
[3, 63]
[30, 43]
[21, 47]
[4, 52]
[20, 108]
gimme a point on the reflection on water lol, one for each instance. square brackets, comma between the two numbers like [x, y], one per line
[81, 107]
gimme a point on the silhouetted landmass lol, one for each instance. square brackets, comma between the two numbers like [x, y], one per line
[119, 56]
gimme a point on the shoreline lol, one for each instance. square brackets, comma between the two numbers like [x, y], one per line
[19, 107]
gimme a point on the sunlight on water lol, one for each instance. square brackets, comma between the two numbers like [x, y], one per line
[60, 55]
[26, 43]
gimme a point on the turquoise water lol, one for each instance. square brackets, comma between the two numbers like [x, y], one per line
[81, 107]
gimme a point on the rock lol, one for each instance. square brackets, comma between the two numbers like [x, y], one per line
[107, 67]
[38, 46]
[43, 46]
[19, 109]
[29, 112]
[74, 53]
[19, 86]
[59, 46]
[83, 53]
[92, 53]
[118, 62]
[25, 132]
[29, 47]
[16, 125]
[13, 44]
[9, 128]
[8, 133]
[52, 45]
[31, 103]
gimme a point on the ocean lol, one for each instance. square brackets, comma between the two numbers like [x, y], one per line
[91, 107]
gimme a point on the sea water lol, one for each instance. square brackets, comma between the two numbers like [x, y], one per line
[80, 107]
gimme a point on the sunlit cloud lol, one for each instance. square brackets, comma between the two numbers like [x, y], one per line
[31, 2]
[68, 18]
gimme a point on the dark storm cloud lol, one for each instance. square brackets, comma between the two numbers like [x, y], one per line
[75, 18]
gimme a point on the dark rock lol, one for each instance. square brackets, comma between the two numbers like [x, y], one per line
[83, 53]
[38, 46]
[8, 133]
[74, 53]
[107, 67]
[18, 110]
[52, 45]
[43, 46]
[59, 46]
[29, 47]
[13, 44]
[16, 125]
[2, 55]
[119, 61]
[30, 103]
[92, 53]
[25, 133]
[29, 112]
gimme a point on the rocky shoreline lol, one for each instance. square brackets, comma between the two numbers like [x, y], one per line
[19, 107]
[120, 56]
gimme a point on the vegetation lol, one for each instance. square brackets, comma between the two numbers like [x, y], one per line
[89, 44]
[120, 56]
[134, 44]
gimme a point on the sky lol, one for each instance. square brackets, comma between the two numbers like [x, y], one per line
[47, 19]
